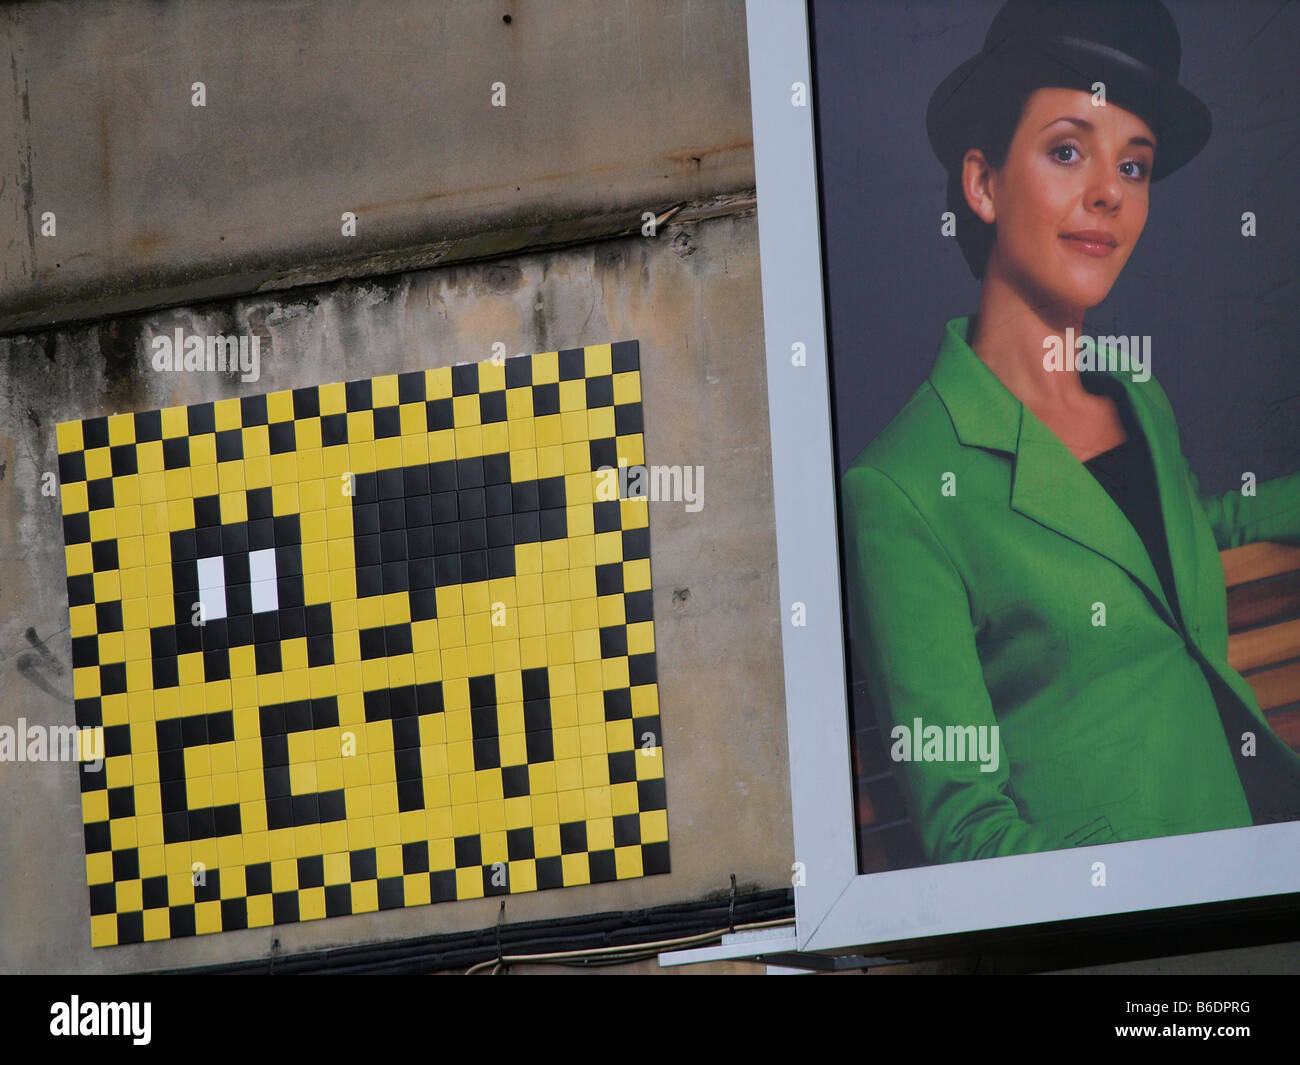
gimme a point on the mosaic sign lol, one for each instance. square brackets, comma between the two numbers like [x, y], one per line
[364, 645]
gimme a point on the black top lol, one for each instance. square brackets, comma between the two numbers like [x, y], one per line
[1128, 475]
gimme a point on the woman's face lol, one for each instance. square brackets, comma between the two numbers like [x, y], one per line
[1071, 199]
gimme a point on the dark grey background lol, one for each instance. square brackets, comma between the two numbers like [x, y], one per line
[1219, 307]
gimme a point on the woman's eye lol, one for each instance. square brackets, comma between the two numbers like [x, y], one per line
[1056, 152]
[1139, 171]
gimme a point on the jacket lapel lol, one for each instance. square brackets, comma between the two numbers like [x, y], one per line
[1171, 487]
[1048, 484]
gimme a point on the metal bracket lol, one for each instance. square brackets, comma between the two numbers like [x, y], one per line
[772, 946]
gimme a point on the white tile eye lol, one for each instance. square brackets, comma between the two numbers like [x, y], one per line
[212, 588]
[261, 565]
[262, 576]
[261, 571]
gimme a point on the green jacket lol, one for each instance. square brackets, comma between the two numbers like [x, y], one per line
[980, 553]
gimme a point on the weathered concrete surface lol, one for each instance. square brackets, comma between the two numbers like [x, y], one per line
[691, 297]
[384, 108]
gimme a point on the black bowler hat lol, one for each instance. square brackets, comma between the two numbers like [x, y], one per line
[1131, 46]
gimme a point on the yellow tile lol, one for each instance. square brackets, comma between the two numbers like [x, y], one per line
[204, 481]
[279, 406]
[627, 387]
[257, 441]
[628, 863]
[226, 414]
[69, 437]
[574, 869]
[74, 498]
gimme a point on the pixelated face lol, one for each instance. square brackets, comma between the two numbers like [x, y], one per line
[365, 645]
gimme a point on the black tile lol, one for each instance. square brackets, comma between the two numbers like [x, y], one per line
[181, 921]
[602, 866]
[103, 898]
[519, 371]
[207, 512]
[112, 678]
[573, 837]
[445, 507]
[72, 467]
[415, 857]
[234, 914]
[388, 422]
[551, 493]
[424, 604]
[546, 399]
[604, 454]
[94, 433]
[100, 493]
[362, 864]
[641, 669]
[606, 516]
[464, 379]
[148, 426]
[469, 474]
[410, 387]
[284, 907]
[391, 894]
[359, 396]
[333, 430]
[282, 437]
[439, 414]
[252, 410]
[499, 499]
[257, 878]
[469, 852]
[230, 445]
[492, 407]
[130, 928]
[628, 419]
[338, 900]
[550, 873]
[306, 402]
[496, 469]
[625, 356]
[600, 391]
[332, 806]
[122, 460]
[201, 419]
[572, 364]
[126, 864]
[613, 641]
[85, 651]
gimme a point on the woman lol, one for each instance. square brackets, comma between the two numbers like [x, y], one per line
[1035, 583]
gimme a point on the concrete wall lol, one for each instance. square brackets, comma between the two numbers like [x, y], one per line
[385, 108]
[476, 224]
[690, 296]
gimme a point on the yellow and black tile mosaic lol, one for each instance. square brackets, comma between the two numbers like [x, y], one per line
[364, 645]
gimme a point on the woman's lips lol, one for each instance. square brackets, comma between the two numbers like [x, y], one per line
[1090, 243]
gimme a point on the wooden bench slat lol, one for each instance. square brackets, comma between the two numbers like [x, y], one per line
[1264, 647]
[1276, 687]
[1263, 603]
[1287, 727]
[1254, 562]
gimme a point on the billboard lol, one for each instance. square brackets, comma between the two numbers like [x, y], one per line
[1025, 274]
